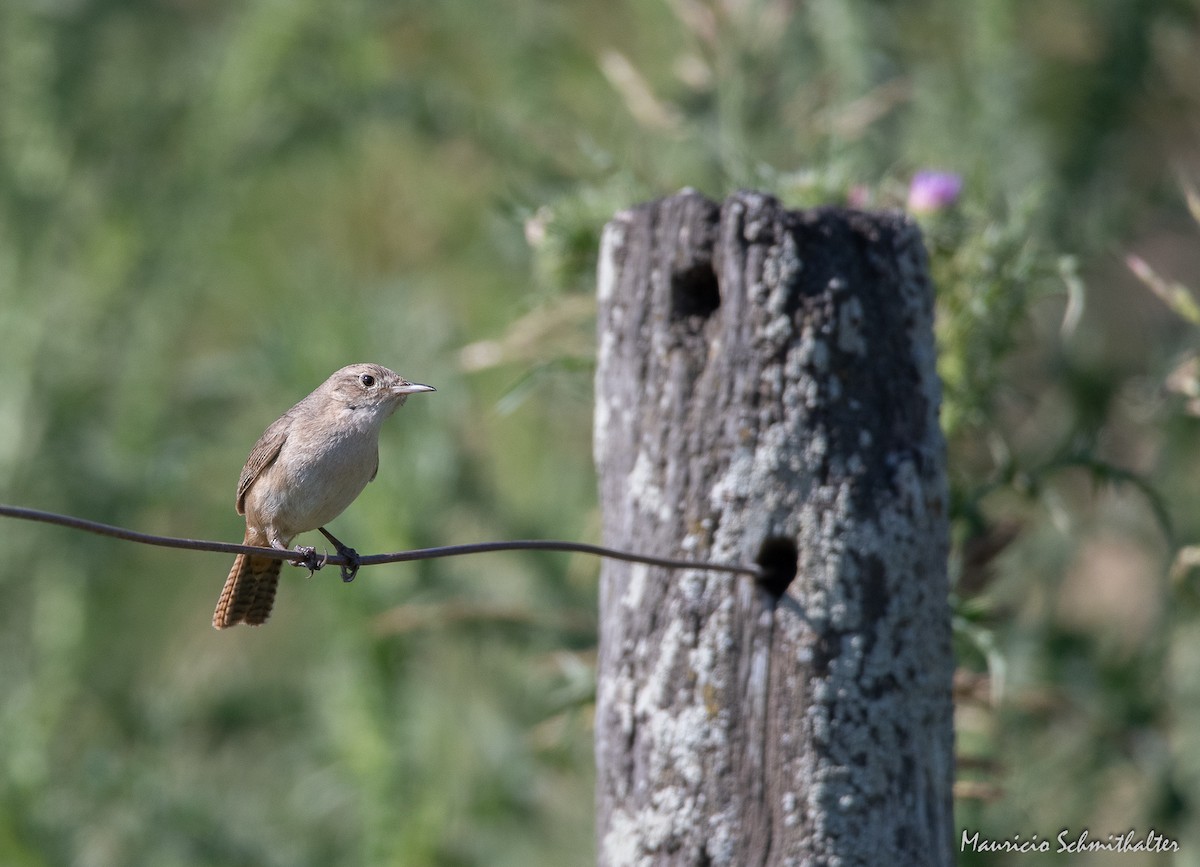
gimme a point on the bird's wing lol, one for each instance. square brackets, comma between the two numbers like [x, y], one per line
[264, 453]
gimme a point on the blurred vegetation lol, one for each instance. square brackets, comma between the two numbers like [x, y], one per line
[207, 207]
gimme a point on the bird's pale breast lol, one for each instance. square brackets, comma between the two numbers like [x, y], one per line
[312, 481]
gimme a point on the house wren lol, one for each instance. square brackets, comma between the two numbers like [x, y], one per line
[303, 472]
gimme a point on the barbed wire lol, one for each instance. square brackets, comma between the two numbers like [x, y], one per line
[300, 556]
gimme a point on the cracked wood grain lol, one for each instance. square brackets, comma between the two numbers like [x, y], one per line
[766, 390]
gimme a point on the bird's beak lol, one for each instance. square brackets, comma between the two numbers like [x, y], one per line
[411, 388]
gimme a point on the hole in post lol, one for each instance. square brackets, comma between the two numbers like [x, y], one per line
[694, 292]
[777, 558]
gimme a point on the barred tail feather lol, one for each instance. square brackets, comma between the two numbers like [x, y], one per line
[249, 592]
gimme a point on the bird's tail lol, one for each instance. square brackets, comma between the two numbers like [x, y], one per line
[249, 590]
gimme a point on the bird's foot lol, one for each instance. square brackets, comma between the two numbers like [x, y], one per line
[350, 567]
[312, 561]
[352, 561]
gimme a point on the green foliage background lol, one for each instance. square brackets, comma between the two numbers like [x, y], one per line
[206, 207]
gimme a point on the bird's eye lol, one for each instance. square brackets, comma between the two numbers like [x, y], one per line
[367, 380]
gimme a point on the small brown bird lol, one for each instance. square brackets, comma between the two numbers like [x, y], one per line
[302, 473]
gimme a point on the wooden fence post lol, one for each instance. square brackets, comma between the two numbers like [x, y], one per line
[766, 392]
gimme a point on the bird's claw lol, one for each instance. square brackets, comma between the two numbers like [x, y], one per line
[352, 564]
[312, 561]
[352, 561]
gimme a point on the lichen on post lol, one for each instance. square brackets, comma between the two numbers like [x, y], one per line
[766, 392]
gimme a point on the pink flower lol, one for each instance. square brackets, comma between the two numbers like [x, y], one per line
[932, 191]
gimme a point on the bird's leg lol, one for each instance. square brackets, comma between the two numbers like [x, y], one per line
[312, 561]
[350, 567]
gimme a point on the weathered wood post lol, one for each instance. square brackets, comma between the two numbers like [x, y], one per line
[766, 392]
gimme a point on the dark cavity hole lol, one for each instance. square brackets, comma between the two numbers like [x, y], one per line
[694, 292]
[777, 558]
